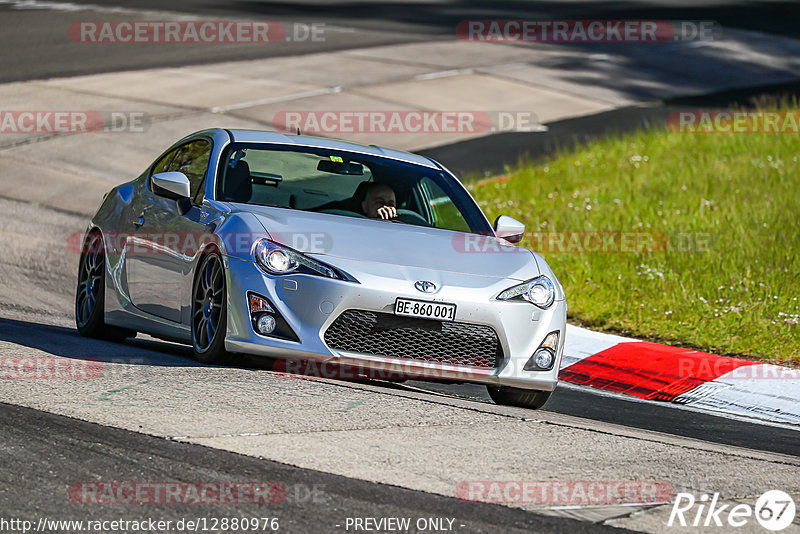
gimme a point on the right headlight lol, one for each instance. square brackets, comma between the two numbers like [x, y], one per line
[540, 291]
[277, 259]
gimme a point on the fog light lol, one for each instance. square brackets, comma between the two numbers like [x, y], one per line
[266, 324]
[543, 358]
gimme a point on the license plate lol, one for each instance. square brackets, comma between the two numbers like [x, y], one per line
[438, 311]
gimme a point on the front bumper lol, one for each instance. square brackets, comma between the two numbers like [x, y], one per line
[310, 304]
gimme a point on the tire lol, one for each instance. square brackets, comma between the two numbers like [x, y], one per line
[523, 398]
[91, 291]
[210, 311]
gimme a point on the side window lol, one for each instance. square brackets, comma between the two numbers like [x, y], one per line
[163, 164]
[445, 214]
[192, 160]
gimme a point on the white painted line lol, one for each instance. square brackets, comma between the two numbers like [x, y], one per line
[341, 29]
[685, 407]
[765, 391]
[274, 100]
[443, 74]
[71, 7]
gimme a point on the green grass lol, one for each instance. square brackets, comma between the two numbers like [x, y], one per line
[724, 210]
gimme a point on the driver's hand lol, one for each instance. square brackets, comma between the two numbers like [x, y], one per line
[387, 212]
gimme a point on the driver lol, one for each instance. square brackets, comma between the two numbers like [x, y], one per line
[379, 202]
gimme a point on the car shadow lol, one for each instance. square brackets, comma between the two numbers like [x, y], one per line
[142, 350]
[67, 343]
[149, 352]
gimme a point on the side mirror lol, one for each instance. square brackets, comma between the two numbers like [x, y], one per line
[173, 184]
[509, 228]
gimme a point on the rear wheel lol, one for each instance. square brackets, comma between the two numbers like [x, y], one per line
[209, 311]
[524, 398]
[90, 294]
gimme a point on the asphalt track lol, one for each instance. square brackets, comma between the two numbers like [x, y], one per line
[33, 33]
[568, 400]
[42, 450]
[44, 453]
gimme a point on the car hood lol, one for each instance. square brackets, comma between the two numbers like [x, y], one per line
[328, 236]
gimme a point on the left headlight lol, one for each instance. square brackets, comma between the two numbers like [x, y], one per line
[539, 291]
[277, 259]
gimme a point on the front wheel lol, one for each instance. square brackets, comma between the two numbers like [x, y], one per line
[523, 398]
[210, 312]
[91, 292]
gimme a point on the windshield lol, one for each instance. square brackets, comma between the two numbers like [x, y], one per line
[346, 184]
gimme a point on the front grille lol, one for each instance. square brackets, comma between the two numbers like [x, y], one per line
[386, 334]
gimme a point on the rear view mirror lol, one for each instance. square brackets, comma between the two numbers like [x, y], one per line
[340, 167]
[509, 229]
[173, 184]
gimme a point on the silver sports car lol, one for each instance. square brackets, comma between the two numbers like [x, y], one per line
[315, 250]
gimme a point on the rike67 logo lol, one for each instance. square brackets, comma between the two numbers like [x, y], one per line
[774, 510]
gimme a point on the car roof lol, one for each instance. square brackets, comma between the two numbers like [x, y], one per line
[261, 136]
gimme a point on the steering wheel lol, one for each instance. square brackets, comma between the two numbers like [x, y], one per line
[411, 217]
[343, 212]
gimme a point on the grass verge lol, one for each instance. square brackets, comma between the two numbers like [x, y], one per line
[684, 238]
